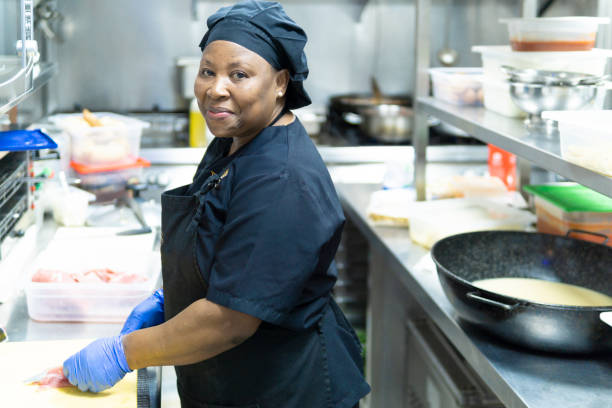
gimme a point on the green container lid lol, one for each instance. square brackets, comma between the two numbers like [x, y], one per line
[572, 197]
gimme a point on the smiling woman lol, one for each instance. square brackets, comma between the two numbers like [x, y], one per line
[239, 92]
[245, 315]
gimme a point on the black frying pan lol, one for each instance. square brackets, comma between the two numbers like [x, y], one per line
[464, 258]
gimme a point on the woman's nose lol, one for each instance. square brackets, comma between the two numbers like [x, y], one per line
[218, 88]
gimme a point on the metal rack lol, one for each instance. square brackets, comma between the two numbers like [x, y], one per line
[13, 190]
[508, 133]
[43, 72]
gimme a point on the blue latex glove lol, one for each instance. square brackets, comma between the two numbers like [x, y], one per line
[148, 313]
[98, 366]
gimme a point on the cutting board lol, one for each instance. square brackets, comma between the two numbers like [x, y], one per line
[22, 360]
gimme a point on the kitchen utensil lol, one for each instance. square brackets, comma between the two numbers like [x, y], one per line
[18, 140]
[129, 199]
[36, 377]
[388, 123]
[352, 110]
[464, 258]
[536, 98]
[546, 77]
[378, 96]
[21, 359]
[447, 56]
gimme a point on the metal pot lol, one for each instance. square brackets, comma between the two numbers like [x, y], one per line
[386, 123]
[387, 119]
[464, 258]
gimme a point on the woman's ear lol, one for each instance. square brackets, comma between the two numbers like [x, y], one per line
[282, 81]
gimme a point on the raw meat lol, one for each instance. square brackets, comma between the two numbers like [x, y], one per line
[51, 275]
[101, 275]
[54, 378]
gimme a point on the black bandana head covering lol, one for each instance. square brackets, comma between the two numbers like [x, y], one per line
[264, 28]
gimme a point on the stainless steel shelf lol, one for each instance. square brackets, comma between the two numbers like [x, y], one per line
[45, 72]
[510, 134]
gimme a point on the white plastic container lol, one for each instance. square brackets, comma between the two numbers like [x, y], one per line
[553, 33]
[108, 182]
[459, 86]
[496, 92]
[586, 138]
[188, 71]
[117, 141]
[91, 302]
[586, 62]
[431, 221]
[496, 97]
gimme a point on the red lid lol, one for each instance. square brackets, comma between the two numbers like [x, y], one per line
[125, 164]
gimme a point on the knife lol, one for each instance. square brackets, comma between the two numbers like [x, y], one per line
[36, 378]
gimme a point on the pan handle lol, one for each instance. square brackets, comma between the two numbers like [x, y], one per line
[597, 234]
[478, 297]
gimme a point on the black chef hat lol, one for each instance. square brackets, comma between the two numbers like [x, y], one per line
[264, 28]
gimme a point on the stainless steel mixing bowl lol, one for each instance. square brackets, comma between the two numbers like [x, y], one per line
[536, 98]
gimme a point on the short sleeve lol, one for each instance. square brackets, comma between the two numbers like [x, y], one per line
[275, 236]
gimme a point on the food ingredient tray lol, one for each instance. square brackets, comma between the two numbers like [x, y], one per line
[585, 138]
[117, 141]
[562, 207]
[90, 301]
[553, 33]
[459, 86]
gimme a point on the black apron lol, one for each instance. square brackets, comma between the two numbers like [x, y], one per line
[276, 367]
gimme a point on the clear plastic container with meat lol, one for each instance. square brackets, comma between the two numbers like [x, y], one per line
[99, 286]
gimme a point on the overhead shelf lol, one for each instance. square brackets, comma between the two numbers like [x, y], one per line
[43, 73]
[511, 134]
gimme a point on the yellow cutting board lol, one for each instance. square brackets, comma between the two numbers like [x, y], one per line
[22, 360]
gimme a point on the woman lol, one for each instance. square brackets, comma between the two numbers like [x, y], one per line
[247, 248]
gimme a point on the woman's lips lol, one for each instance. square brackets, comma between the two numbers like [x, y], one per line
[217, 113]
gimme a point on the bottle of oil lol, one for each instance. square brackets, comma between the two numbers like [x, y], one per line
[197, 126]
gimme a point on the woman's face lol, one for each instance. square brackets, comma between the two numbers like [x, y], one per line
[237, 90]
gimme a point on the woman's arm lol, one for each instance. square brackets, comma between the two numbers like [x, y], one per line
[201, 331]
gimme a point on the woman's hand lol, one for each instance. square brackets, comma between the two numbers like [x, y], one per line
[148, 313]
[98, 366]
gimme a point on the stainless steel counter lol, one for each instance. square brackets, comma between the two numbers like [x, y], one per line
[519, 378]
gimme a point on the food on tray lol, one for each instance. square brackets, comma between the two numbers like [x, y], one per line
[91, 119]
[547, 292]
[54, 378]
[552, 45]
[101, 275]
[102, 139]
[597, 158]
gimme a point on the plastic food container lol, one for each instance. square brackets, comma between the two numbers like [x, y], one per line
[460, 86]
[496, 92]
[570, 206]
[108, 182]
[431, 221]
[116, 142]
[585, 137]
[92, 302]
[553, 33]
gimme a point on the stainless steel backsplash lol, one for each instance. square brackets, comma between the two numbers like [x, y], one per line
[120, 54]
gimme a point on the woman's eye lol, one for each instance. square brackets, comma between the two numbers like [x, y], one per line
[205, 72]
[239, 75]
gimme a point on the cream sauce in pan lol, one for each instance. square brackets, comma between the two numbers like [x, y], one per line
[541, 291]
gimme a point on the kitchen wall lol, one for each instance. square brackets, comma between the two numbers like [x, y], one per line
[120, 54]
